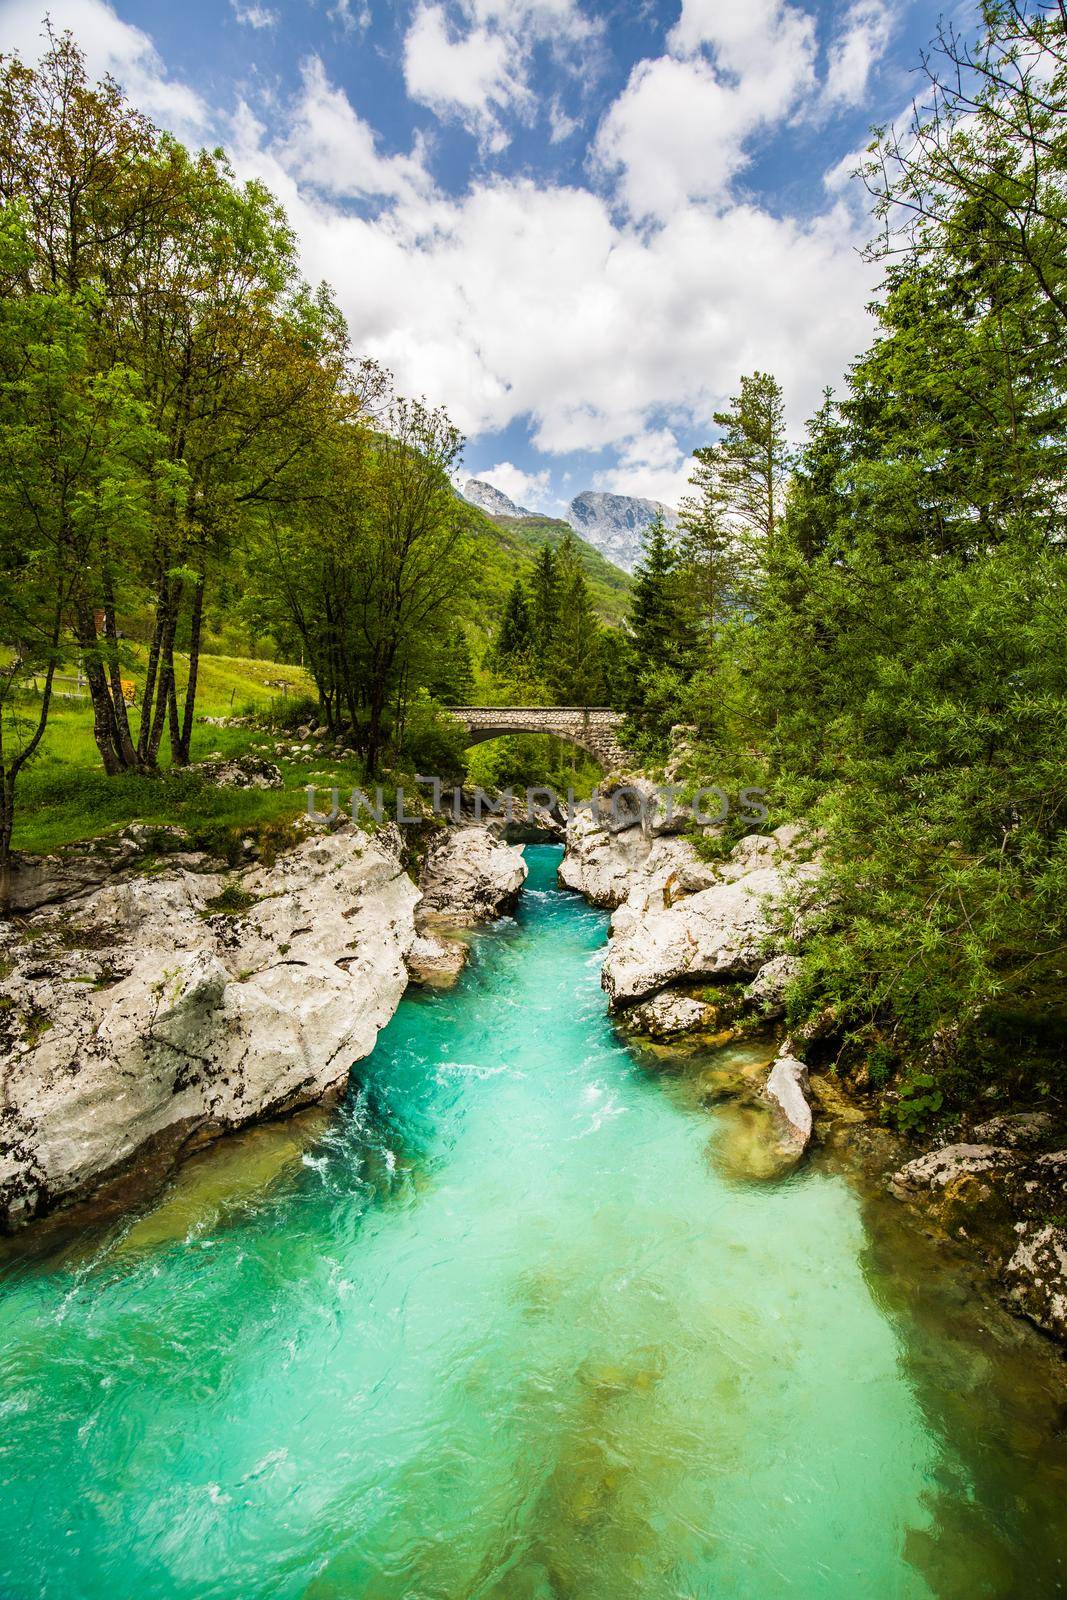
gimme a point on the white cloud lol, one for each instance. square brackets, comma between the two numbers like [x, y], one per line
[561, 126]
[351, 21]
[466, 75]
[472, 61]
[530, 489]
[521, 301]
[651, 464]
[336, 151]
[256, 16]
[679, 130]
[861, 44]
[110, 45]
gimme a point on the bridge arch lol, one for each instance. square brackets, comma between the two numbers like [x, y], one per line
[592, 728]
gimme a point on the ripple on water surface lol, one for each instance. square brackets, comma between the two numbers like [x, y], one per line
[509, 1324]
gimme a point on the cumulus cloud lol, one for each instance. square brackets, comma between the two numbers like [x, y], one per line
[652, 465]
[518, 301]
[860, 45]
[466, 75]
[533, 490]
[332, 148]
[471, 60]
[679, 131]
[111, 46]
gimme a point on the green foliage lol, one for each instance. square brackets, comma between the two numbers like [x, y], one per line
[514, 638]
[883, 647]
[433, 743]
[660, 649]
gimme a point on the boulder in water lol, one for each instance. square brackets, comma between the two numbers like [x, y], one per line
[469, 876]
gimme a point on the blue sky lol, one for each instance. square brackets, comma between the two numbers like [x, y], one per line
[573, 224]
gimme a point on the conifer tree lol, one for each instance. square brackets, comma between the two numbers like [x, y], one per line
[515, 634]
[575, 671]
[655, 614]
[546, 601]
[452, 681]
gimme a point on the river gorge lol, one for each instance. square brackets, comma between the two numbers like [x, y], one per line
[514, 1320]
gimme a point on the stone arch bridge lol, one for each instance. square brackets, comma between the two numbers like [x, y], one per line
[593, 728]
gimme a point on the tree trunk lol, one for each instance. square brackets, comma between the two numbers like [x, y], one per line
[7, 823]
[165, 687]
[124, 738]
[9, 771]
[104, 730]
[180, 751]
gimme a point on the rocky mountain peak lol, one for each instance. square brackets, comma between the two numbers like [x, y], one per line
[616, 524]
[494, 502]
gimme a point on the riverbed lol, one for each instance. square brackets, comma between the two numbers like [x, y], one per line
[508, 1323]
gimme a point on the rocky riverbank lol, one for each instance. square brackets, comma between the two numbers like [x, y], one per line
[151, 1002]
[699, 950]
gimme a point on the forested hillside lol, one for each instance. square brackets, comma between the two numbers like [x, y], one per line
[874, 625]
[521, 538]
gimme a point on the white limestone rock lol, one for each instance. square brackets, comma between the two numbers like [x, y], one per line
[721, 932]
[240, 772]
[787, 1090]
[668, 1014]
[937, 1169]
[600, 865]
[1020, 1130]
[435, 962]
[469, 876]
[144, 1015]
[767, 990]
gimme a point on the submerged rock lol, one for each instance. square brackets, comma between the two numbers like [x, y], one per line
[1036, 1276]
[180, 1004]
[1009, 1200]
[469, 876]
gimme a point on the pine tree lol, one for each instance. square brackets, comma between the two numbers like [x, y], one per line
[452, 681]
[575, 669]
[515, 636]
[656, 627]
[816, 501]
[751, 459]
[546, 600]
[708, 549]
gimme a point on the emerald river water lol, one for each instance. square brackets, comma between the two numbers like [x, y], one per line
[507, 1324]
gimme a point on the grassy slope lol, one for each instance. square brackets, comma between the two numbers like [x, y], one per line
[65, 797]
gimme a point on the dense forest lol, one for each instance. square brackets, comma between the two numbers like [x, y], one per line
[874, 625]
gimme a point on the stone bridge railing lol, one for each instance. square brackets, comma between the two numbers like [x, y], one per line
[593, 728]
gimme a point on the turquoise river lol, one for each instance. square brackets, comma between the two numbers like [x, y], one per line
[511, 1323]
